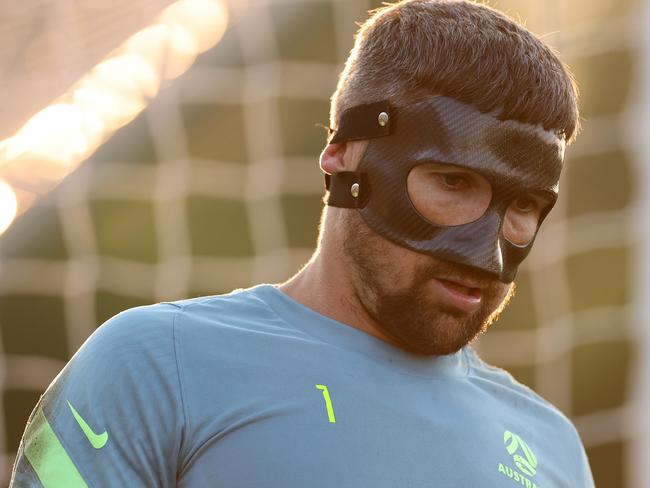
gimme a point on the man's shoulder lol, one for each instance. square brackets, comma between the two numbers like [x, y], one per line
[533, 417]
[236, 301]
[482, 370]
[159, 319]
[502, 383]
[241, 309]
[145, 346]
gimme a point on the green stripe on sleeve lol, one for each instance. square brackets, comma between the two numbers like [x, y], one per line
[48, 457]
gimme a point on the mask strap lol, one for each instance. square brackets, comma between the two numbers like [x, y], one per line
[366, 121]
[348, 189]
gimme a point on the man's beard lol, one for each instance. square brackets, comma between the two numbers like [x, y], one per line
[409, 314]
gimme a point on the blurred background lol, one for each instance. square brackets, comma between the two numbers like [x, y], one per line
[125, 182]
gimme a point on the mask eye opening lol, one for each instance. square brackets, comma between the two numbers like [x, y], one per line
[521, 223]
[447, 195]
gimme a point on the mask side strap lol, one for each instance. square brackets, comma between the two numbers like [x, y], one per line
[347, 189]
[366, 121]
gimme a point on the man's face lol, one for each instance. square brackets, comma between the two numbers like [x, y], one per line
[413, 296]
[426, 305]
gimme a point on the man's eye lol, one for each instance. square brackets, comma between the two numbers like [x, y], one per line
[453, 180]
[525, 204]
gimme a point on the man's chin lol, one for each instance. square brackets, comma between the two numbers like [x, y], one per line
[449, 332]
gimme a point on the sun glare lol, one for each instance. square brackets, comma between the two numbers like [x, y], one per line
[205, 19]
[56, 139]
[54, 134]
[8, 206]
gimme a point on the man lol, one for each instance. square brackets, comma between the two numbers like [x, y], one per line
[449, 127]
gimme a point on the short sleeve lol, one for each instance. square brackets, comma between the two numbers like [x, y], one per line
[587, 475]
[114, 415]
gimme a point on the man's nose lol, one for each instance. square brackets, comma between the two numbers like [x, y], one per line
[479, 244]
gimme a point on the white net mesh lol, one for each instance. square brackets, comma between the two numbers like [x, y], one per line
[215, 186]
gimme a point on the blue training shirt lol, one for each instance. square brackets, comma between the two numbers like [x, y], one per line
[254, 390]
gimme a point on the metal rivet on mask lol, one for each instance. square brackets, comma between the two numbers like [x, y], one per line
[354, 190]
[383, 119]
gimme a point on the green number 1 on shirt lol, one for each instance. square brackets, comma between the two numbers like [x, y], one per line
[328, 403]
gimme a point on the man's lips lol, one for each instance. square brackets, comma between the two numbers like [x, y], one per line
[460, 294]
[463, 287]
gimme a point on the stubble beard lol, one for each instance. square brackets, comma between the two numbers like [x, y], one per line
[408, 313]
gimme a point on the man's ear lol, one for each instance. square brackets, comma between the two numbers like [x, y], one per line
[332, 158]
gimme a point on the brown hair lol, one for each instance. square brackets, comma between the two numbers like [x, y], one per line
[468, 51]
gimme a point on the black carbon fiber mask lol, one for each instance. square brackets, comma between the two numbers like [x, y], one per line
[515, 158]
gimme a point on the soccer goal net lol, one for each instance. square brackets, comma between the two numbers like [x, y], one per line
[215, 186]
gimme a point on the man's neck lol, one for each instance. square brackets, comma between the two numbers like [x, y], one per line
[324, 286]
